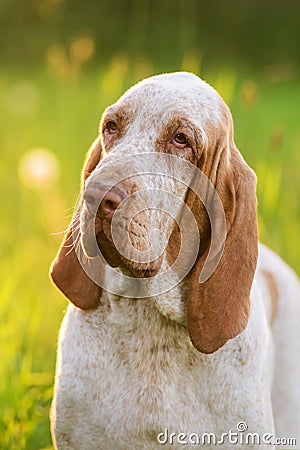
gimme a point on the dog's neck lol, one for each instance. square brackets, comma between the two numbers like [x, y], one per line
[170, 303]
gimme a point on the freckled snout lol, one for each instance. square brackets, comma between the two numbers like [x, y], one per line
[111, 199]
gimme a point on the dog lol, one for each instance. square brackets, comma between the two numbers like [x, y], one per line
[182, 329]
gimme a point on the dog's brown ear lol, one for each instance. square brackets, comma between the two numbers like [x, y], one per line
[218, 309]
[66, 271]
[91, 161]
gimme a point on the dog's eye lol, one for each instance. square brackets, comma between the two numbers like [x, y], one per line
[180, 139]
[111, 127]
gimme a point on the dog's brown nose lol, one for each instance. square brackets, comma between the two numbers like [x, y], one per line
[110, 201]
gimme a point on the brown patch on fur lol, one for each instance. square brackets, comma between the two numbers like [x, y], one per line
[180, 125]
[66, 271]
[92, 159]
[118, 114]
[273, 294]
[218, 309]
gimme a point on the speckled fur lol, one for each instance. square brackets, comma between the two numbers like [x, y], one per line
[127, 370]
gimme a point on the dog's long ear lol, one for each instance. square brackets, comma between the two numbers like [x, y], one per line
[218, 309]
[66, 271]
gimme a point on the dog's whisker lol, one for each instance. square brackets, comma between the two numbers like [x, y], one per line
[56, 233]
[73, 244]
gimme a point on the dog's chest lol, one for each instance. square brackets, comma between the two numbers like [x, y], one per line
[134, 374]
[148, 371]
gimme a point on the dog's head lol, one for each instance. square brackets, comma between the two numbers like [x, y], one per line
[138, 186]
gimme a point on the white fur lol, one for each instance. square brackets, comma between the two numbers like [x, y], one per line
[127, 370]
[286, 335]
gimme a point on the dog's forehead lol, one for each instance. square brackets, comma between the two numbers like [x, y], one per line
[180, 93]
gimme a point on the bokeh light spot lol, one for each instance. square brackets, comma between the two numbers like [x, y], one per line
[249, 94]
[82, 49]
[39, 169]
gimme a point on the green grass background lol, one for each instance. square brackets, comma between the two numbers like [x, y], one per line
[63, 117]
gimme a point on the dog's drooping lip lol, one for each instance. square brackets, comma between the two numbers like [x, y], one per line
[96, 239]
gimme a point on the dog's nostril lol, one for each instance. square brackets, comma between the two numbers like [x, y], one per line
[109, 204]
[109, 201]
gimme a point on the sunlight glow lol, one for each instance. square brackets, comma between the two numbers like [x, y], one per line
[39, 169]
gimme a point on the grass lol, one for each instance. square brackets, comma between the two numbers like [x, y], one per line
[61, 113]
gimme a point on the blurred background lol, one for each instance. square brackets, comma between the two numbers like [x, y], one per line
[61, 63]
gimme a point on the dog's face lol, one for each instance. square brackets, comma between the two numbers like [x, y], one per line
[141, 177]
[129, 199]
